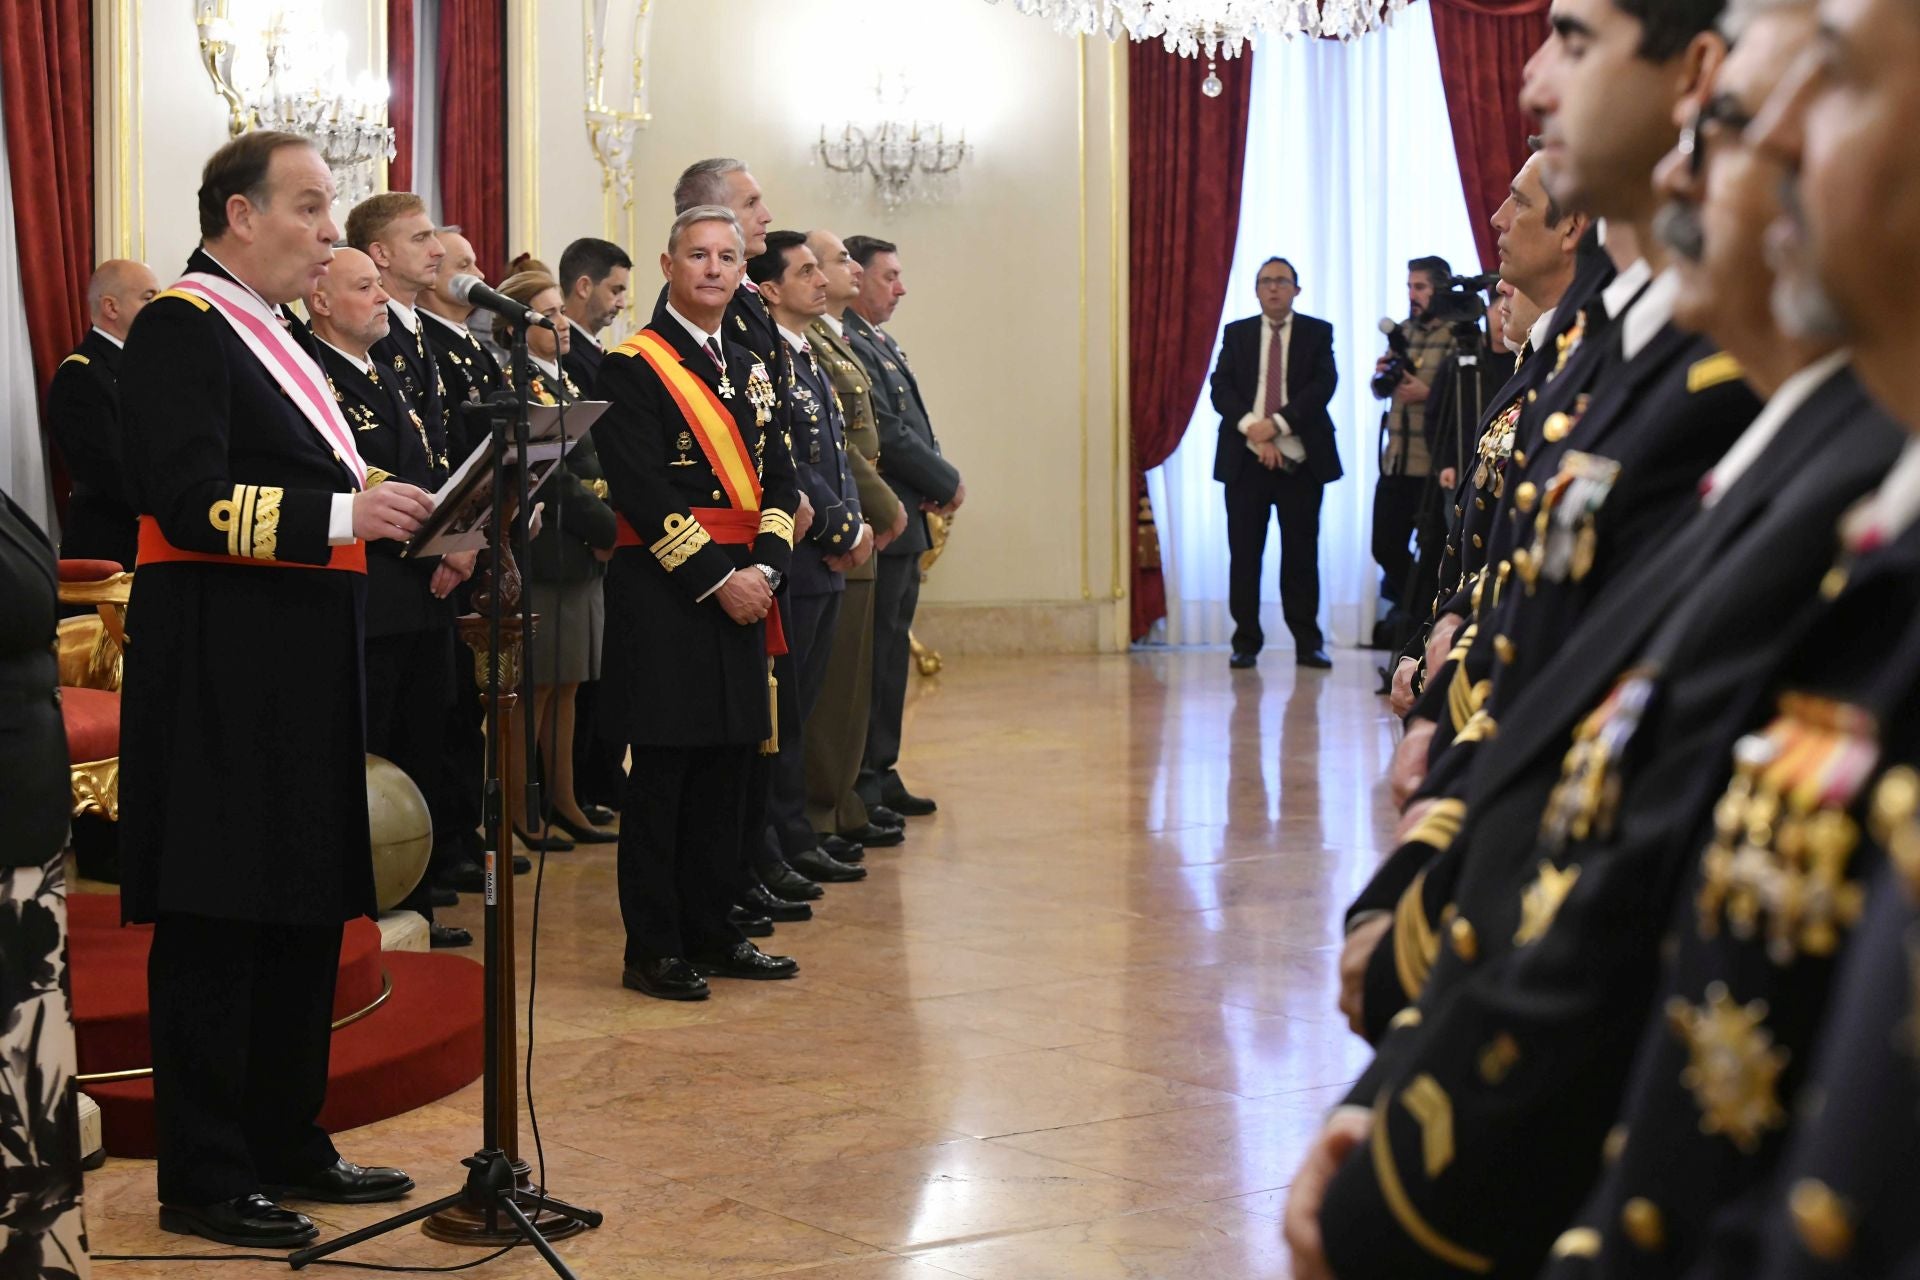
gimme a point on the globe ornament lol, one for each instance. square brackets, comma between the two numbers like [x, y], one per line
[402, 831]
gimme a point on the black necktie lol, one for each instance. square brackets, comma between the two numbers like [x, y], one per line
[712, 348]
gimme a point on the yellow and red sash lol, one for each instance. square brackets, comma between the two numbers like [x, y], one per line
[707, 418]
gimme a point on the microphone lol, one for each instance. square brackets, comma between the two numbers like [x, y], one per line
[471, 290]
[1395, 339]
[1476, 283]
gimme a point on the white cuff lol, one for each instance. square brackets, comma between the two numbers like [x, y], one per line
[1281, 425]
[340, 521]
[1247, 420]
[1362, 917]
[716, 586]
[866, 532]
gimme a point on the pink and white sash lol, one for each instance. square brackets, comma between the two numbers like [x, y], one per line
[298, 375]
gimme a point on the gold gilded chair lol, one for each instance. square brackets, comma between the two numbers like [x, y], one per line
[91, 651]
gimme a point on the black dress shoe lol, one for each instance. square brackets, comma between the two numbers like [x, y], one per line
[872, 837]
[822, 869]
[910, 805]
[552, 842]
[841, 849]
[1315, 658]
[784, 882]
[248, 1221]
[747, 961]
[599, 814]
[344, 1182]
[585, 835]
[669, 979]
[879, 815]
[750, 923]
[463, 876]
[438, 897]
[523, 864]
[448, 935]
[1244, 661]
[763, 901]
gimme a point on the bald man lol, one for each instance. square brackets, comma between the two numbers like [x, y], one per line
[83, 416]
[409, 632]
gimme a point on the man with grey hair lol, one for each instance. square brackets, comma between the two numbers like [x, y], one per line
[83, 417]
[704, 489]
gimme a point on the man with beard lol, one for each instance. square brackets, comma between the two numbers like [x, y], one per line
[243, 819]
[1485, 1114]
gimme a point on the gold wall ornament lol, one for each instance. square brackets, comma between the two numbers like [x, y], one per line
[613, 131]
[1733, 1068]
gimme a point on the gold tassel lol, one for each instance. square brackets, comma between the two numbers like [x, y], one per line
[771, 747]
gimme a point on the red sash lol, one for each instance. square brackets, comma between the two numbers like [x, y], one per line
[155, 549]
[730, 527]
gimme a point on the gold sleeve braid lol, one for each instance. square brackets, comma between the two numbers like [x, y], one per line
[250, 519]
[778, 523]
[683, 537]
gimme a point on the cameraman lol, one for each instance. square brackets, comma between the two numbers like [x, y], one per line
[1405, 461]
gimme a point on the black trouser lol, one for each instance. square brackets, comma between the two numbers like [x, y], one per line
[242, 1016]
[1396, 510]
[1252, 498]
[896, 595]
[679, 850]
[810, 637]
[599, 758]
[410, 682]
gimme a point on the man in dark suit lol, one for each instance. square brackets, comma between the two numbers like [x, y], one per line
[689, 593]
[910, 461]
[243, 819]
[790, 280]
[1277, 453]
[410, 668]
[83, 417]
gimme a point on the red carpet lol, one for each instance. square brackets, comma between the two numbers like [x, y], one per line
[421, 1043]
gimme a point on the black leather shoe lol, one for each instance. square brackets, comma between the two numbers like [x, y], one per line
[763, 901]
[841, 849]
[248, 1221]
[1316, 658]
[910, 805]
[463, 876]
[747, 961]
[784, 882]
[873, 837]
[879, 815]
[750, 923]
[448, 935]
[552, 842]
[599, 814]
[523, 864]
[585, 835]
[344, 1182]
[1244, 661]
[669, 979]
[822, 869]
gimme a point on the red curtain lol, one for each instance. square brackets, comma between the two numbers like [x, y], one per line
[1484, 46]
[46, 72]
[473, 125]
[400, 93]
[1186, 155]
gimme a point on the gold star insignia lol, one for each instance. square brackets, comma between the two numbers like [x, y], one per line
[1734, 1067]
[1540, 903]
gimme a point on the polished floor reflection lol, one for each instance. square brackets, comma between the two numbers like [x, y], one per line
[1081, 1026]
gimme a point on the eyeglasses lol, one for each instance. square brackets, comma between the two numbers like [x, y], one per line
[1721, 111]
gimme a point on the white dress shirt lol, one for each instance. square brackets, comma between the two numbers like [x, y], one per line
[1766, 424]
[1289, 445]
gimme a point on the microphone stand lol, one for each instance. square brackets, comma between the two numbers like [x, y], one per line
[491, 1208]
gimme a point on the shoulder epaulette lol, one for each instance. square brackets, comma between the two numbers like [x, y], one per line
[184, 296]
[76, 358]
[1713, 371]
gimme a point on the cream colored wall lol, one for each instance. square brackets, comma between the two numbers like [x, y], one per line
[1021, 394]
[158, 118]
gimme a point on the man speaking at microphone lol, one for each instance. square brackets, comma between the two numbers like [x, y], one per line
[243, 822]
[1272, 386]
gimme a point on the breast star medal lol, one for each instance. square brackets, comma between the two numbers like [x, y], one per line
[1733, 1068]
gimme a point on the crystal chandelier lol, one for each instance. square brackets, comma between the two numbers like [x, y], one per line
[280, 71]
[906, 160]
[1212, 28]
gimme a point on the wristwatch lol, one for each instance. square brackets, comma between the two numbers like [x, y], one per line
[774, 576]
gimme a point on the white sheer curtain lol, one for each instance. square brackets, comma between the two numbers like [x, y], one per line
[1350, 173]
[23, 468]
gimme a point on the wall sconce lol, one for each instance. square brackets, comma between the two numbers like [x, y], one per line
[906, 159]
[304, 89]
[611, 131]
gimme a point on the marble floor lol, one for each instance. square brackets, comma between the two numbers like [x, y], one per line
[1080, 1026]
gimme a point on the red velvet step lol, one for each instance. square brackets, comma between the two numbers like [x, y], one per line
[419, 1043]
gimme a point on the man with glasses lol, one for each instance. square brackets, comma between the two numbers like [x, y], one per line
[1276, 454]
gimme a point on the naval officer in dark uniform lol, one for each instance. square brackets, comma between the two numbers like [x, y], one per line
[469, 375]
[705, 494]
[83, 417]
[243, 822]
